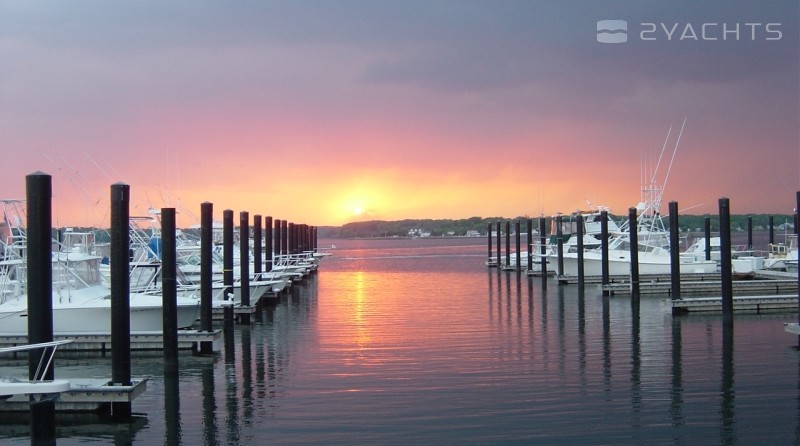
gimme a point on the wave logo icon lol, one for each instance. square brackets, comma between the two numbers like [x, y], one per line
[612, 31]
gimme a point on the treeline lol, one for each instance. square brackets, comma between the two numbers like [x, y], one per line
[478, 226]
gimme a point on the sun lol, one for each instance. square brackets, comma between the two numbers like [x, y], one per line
[358, 211]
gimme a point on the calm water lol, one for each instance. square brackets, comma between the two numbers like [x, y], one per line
[417, 342]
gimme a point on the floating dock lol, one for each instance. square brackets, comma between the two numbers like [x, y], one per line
[705, 287]
[84, 395]
[187, 339]
[744, 304]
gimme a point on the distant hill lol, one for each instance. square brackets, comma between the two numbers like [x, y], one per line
[477, 226]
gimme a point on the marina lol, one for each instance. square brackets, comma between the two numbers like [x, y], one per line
[533, 363]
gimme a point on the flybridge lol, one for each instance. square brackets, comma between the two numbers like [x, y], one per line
[710, 31]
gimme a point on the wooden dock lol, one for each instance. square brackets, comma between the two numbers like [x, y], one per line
[744, 304]
[84, 395]
[706, 287]
[644, 278]
[143, 340]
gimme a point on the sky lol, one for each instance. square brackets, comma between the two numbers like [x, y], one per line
[327, 112]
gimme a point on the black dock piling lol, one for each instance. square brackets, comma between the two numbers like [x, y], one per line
[291, 243]
[39, 263]
[725, 259]
[674, 252]
[40, 297]
[227, 268]
[634, 250]
[749, 235]
[284, 237]
[707, 231]
[206, 273]
[605, 274]
[258, 241]
[508, 244]
[771, 229]
[278, 237]
[489, 243]
[579, 235]
[518, 246]
[120, 293]
[797, 206]
[560, 245]
[268, 240]
[499, 263]
[543, 249]
[169, 290]
[244, 264]
[530, 244]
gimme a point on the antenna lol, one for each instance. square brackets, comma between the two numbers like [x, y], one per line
[669, 169]
[663, 148]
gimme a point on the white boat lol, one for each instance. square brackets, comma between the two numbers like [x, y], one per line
[782, 256]
[652, 260]
[38, 387]
[82, 302]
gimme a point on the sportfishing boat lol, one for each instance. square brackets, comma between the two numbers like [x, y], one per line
[81, 301]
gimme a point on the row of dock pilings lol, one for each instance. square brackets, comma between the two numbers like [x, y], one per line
[281, 237]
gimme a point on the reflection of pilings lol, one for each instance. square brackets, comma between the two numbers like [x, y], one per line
[582, 340]
[725, 259]
[674, 254]
[172, 409]
[247, 376]
[169, 293]
[206, 229]
[209, 404]
[728, 403]
[40, 302]
[636, 363]
[676, 403]
[606, 344]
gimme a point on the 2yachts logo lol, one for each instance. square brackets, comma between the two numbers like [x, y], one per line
[612, 31]
[616, 31]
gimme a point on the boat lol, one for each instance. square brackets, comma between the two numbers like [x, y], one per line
[81, 298]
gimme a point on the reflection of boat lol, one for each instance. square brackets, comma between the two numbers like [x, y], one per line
[38, 387]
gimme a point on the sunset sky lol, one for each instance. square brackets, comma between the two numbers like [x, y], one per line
[325, 112]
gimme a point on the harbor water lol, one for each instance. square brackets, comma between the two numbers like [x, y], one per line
[416, 341]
